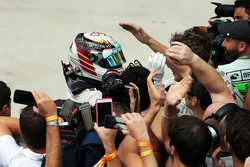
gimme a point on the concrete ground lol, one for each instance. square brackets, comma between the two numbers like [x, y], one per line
[35, 35]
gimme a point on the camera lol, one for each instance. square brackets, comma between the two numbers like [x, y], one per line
[77, 119]
[223, 10]
[114, 87]
[217, 51]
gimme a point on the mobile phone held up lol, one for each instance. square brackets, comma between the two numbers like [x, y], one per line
[24, 97]
[104, 107]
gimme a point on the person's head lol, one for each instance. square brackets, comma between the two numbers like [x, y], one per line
[197, 39]
[33, 128]
[120, 108]
[5, 99]
[91, 54]
[215, 116]
[137, 75]
[238, 133]
[242, 10]
[237, 38]
[198, 96]
[190, 140]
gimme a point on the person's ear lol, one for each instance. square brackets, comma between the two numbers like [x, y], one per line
[172, 149]
[6, 110]
[242, 47]
[194, 101]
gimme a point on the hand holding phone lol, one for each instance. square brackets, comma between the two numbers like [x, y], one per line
[104, 107]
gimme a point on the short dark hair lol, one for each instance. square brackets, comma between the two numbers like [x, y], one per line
[4, 94]
[238, 132]
[197, 40]
[200, 92]
[191, 139]
[138, 75]
[243, 3]
[33, 128]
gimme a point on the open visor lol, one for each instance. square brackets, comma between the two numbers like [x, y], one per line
[112, 58]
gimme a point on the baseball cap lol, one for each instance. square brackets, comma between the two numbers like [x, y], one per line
[239, 30]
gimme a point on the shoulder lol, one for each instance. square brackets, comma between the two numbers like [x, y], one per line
[8, 149]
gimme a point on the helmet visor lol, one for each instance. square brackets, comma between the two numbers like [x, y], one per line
[112, 58]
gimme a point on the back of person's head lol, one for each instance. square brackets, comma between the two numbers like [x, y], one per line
[138, 75]
[243, 3]
[200, 92]
[120, 108]
[191, 140]
[238, 133]
[4, 98]
[33, 128]
[197, 40]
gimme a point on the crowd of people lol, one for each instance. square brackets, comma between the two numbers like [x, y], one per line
[198, 118]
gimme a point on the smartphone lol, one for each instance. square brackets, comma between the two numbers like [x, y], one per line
[104, 107]
[87, 116]
[24, 97]
[113, 122]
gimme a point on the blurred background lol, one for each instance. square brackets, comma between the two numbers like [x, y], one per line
[35, 35]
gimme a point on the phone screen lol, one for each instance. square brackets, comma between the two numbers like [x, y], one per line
[103, 107]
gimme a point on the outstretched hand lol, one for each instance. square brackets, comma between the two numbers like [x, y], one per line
[137, 31]
[45, 105]
[157, 98]
[180, 53]
[178, 91]
[135, 99]
[136, 125]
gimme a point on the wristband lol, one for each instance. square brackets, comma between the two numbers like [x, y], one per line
[146, 153]
[52, 118]
[144, 144]
[106, 158]
[53, 123]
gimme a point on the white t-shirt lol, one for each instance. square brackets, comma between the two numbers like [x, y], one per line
[239, 73]
[12, 155]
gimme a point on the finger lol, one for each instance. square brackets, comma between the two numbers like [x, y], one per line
[36, 96]
[151, 75]
[155, 60]
[96, 128]
[150, 60]
[163, 62]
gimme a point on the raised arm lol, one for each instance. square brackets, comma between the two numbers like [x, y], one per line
[108, 139]
[173, 97]
[138, 130]
[47, 108]
[207, 75]
[155, 45]
[156, 99]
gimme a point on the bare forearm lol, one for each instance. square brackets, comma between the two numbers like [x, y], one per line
[150, 115]
[53, 147]
[209, 77]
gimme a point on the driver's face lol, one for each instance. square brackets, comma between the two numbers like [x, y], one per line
[240, 14]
